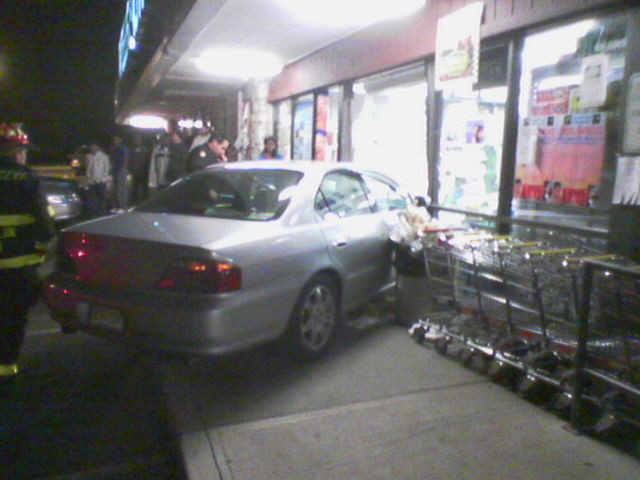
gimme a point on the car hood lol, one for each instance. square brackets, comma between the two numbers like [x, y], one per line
[210, 233]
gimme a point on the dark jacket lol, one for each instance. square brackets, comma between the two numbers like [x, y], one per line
[177, 167]
[139, 162]
[119, 158]
[25, 224]
[201, 157]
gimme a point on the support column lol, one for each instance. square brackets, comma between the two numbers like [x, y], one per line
[345, 147]
[260, 116]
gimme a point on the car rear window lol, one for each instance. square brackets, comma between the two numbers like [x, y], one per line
[256, 194]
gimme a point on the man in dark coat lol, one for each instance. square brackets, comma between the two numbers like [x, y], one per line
[207, 154]
[178, 154]
[139, 168]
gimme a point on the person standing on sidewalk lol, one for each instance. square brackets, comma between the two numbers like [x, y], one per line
[119, 160]
[159, 164]
[139, 168]
[25, 230]
[98, 167]
[178, 154]
[270, 149]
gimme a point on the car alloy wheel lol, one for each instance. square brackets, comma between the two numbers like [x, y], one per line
[314, 319]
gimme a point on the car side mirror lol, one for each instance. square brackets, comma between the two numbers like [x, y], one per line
[420, 201]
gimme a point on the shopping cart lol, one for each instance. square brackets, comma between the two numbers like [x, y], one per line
[468, 272]
[607, 380]
[512, 306]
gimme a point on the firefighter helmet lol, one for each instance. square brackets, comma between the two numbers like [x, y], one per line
[12, 138]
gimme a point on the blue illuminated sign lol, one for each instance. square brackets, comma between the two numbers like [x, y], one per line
[130, 25]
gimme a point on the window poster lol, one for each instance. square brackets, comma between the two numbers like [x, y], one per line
[563, 158]
[322, 126]
[626, 190]
[632, 119]
[458, 48]
[593, 90]
[553, 101]
[303, 129]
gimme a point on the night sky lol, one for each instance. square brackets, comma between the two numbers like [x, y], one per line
[58, 69]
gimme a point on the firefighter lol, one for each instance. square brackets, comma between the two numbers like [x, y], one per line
[25, 230]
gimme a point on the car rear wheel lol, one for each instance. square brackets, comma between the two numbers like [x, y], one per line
[313, 319]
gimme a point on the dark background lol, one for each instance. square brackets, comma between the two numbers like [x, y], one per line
[58, 70]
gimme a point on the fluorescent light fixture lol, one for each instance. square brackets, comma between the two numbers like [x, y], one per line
[185, 123]
[148, 122]
[239, 63]
[349, 13]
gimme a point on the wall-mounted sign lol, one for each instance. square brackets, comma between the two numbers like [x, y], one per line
[632, 117]
[458, 48]
[128, 32]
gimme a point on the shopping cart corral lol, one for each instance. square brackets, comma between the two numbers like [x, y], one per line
[515, 310]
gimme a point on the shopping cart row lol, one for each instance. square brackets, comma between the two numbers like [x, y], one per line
[539, 313]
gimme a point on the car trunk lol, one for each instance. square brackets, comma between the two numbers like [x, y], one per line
[102, 260]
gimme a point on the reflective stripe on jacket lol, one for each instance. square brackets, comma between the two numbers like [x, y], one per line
[24, 221]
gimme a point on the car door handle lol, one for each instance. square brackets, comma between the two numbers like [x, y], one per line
[340, 242]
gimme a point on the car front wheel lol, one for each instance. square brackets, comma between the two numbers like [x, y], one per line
[314, 319]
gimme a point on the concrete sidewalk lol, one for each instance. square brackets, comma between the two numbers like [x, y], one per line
[378, 407]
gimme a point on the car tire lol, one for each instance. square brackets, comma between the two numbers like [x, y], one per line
[314, 319]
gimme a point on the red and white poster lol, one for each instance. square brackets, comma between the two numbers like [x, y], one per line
[564, 163]
[458, 48]
[322, 125]
[554, 101]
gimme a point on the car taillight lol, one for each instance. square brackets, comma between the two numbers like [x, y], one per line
[201, 276]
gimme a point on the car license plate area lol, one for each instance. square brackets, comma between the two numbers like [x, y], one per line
[99, 316]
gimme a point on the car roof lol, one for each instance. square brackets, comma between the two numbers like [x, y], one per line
[300, 165]
[311, 168]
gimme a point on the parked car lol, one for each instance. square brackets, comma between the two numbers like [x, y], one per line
[230, 257]
[64, 198]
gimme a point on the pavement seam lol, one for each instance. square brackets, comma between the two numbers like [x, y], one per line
[349, 407]
[184, 437]
[355, 404]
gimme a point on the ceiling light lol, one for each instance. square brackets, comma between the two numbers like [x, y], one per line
[352, 13]
[185, 123]
[238, 63]
[147, 122]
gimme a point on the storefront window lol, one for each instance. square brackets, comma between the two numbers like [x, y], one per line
[303, 128]
[389, 126]
[283, 128]
[569, 102]
[471, 149]
[327, 115]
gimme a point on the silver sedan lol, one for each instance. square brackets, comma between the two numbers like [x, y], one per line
[230, 257]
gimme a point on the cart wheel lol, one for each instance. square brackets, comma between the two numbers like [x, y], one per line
[502, 373]
[417, 333]
[441, 345]
[527, 385]
[478, 362]
[465, 353]
[561, 403]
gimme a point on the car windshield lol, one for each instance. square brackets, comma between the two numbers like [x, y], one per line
[252, 194]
